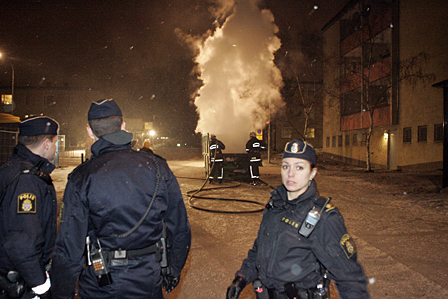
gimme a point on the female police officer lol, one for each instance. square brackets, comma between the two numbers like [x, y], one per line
[292, 251]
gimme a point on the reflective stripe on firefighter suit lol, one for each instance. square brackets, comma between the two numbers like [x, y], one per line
[253, 148]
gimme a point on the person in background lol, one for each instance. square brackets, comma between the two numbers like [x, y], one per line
[116, 210]
[254, 147]
[28, 211]
[147, 147]
[216, 160]
[302, 242]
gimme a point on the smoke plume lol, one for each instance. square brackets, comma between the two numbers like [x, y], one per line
[240, 81]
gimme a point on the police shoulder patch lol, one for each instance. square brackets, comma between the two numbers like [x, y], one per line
[26, 203]
[348, 245]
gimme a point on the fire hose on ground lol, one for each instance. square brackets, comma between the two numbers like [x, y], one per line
[192, 194]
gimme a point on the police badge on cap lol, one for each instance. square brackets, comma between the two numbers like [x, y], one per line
[300, 149]
[38, 125]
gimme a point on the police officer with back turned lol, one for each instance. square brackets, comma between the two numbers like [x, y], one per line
[28, 209]
[115, 208]
[302, 242]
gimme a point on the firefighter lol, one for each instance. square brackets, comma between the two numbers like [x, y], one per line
[216, 160]
[254, 147]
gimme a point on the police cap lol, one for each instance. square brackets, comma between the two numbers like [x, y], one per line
[300, 149]
[38, 125]
[103, 108]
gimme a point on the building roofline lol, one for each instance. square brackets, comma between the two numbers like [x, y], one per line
[442, 84]
[29, 87]
[339, 15]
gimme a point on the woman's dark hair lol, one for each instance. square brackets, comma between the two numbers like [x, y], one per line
[105, 126]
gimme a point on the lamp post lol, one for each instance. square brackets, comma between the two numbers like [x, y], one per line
[12, 81]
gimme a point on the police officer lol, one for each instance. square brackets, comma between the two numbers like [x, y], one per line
[28, 208]
[121, 200]
[293, 252]
[216, 159]
[253, 148]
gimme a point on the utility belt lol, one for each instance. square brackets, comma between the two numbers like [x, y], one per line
[102, 259]
[291, 291]
[121, 257]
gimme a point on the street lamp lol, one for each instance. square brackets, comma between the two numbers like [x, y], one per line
[12, 81]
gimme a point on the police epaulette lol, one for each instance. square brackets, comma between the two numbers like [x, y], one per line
[320, 202]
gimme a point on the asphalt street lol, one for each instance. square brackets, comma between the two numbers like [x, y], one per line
[401, 237]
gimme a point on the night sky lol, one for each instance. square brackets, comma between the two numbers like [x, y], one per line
[131, 50]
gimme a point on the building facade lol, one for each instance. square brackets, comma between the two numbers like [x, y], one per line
[380, 107]
[67, 105]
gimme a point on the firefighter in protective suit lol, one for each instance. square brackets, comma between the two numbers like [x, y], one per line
[103, 215]
[254, 147]
[216, 159]
[302, 240]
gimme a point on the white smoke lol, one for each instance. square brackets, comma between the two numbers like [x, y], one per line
[240, 81]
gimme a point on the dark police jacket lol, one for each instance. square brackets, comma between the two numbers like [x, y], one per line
[280, 255]
[27, 216]
[253, 148]
[108, 195]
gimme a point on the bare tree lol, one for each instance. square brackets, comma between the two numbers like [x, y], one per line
[302, 77]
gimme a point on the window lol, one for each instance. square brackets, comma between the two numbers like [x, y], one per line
[333, 141]
[328, 141]
[407, 135]
[438, 132]
[355, 139]
[422, 134]
[364, 139]
[351, 102]
[310, 133]
[340, 140]
[6, 99]
[287, 132]
[347, 140]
